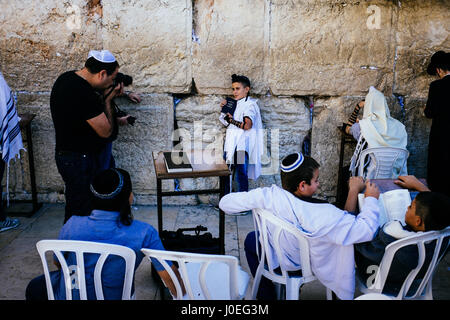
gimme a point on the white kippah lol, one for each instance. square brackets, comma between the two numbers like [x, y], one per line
[291, 167]
[103, 56]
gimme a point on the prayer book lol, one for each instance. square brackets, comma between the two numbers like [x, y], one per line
[393, 205]
[229, 107]
[177, 162]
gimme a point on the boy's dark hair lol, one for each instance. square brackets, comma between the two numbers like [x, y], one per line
[111, 191]
[434, 209]
[439, 59]
[305, 172]
[241, 79]
[94, 66]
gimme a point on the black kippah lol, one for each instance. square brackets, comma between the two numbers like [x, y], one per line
[108, 184]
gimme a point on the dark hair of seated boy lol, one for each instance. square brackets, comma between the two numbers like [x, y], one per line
[428, 211]
[307, 174]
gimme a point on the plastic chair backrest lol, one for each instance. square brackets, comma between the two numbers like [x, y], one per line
[373, 296]
[424, 290]
[201, 272]
[385, 158]
[272, 245]
[80, 248]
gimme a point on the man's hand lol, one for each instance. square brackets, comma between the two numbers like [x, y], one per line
[411, 182]
[122, 121]
[134, 97]
[117, 91]
[372, 190]
[356, 184]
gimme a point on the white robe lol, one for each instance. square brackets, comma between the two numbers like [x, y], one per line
[251, 140]
[331, 232]
[379, 129]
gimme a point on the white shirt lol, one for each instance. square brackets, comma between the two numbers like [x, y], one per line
[251, 140]
[331, 232]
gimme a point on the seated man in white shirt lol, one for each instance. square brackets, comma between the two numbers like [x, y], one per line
[331, 232]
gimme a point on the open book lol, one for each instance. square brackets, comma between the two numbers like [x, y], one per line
[393, 205]
[177, 162]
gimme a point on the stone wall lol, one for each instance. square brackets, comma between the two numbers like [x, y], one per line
[298, 53]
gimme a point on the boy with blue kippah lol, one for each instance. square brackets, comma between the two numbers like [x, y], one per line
[331, 232]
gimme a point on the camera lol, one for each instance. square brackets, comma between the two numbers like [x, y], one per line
[123, 78]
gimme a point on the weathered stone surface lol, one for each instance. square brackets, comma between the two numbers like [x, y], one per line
[423, 28]
[151, 132]
[329, 51]
[152, 41]
[230, 38]
[418, 129]
[41, 39]
[326, 48]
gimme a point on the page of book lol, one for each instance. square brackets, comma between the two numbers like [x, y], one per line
[382, 218]
[393, 205]
[396, 203]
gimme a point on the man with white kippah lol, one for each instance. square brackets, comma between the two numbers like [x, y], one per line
[83, 119]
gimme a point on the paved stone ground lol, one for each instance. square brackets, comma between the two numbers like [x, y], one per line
[20, 262]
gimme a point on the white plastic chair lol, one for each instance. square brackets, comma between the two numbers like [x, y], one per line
[80, 248]
[385, 158]
[424, 290]
[205, 276]
[271, 247]
[373, 296]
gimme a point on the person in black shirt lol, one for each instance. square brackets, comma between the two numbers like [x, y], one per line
[438, 109]
[83, 120]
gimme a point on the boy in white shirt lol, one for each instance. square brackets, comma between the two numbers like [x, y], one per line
[244, 137]
[331, 232]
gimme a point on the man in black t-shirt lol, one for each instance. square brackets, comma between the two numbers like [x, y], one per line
[83, 120]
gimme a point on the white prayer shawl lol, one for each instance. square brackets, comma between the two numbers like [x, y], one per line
[331, 232]
[11, 138]
[251, 141]
[379, 129]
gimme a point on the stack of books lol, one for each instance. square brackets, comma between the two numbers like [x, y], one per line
[177, 161]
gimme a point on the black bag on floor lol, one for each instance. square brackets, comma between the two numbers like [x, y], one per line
[197, 243]
[179, 241]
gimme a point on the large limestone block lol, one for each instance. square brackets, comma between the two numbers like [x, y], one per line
[229, 37]
[423, 29]
[330, 47]
[41, 39]
[152, 41]
[418, 129]
[48, 179]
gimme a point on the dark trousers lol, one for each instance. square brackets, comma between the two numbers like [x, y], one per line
[37, 289]
[77, 171]
[266, 289]
[239, 167]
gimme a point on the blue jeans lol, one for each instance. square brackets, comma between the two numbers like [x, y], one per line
[239, 167]
[77, 171]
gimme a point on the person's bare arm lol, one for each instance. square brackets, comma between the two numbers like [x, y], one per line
[165, 277]
[411, 182]
[103, 124]
[355, 186]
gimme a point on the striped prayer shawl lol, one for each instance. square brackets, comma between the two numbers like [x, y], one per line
[10, 136]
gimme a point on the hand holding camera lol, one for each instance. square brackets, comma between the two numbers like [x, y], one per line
[121, 81]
